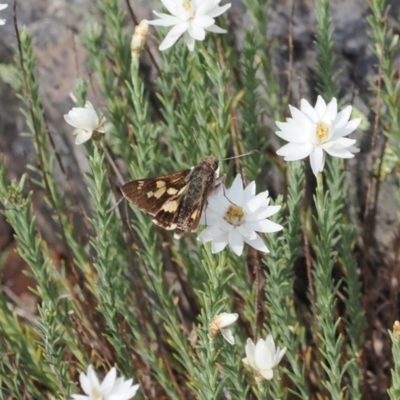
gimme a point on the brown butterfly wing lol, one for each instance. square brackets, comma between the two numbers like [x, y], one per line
[159, 196]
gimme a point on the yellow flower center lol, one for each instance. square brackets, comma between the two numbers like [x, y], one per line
[96, 395]
[322, 132]
[187, 5]
[235, 215]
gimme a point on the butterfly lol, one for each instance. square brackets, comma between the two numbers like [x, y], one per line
[176, 200]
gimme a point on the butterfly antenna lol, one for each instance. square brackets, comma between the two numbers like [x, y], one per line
[115, 205]
[241, 155]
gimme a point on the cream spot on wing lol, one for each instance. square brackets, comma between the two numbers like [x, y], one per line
[158, 193]
[140, 184]
[167, 227]
[171, 206]
[172, 190]
[150, 194]
[160, 184]
[194, 214]
[181, 190]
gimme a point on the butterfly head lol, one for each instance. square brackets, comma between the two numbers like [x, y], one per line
[210, 162]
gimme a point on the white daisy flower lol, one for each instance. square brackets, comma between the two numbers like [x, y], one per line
[86, 121]
[263, 358]
[233, 216]
[314, 131]
[220, 325]
[110, 389]
[190, 18]
[2, 7]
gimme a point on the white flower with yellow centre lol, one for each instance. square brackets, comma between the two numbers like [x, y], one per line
[221, 325]
[87, 123]
[234, 216]
[110, 389]
[263, 358]
[312, 131]
[190, 18]
[2, 7]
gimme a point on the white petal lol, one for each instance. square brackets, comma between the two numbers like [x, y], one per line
[340, 152]
[257, 244]
[268, 374]
[343, 142]
[165, 20]
[189, 40]
[347, 129]
[170, 5]
[264, 226]
[125, 392]
[219, 243]
[108, 382]
[173, 35]
[79, 396]
[204, 21]
[342, 118]
[83, 136]
[279, 355]
[269, 341]
[236, 192]
[3, 6]
[227, 334]
[86, 384]
[294, 151]
[236, 242]
[320, 107]
[353, 149]
[301, 119]
[133, 390]
[317, 160]
[215, 29]
[256, 202]
[210, 217]
[92, 377]
[263, 355]
[250, 352]
[216, 11]
[247, 232]
[249, 192]
[330, 112]
[226, 319]
[309, 110]
[219, 203]
[291, 133]
[210, 233]
[196, 32]
[83, 118]
[263, 213]
[2, 21]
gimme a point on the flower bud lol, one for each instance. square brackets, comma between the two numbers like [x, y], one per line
[139, 38]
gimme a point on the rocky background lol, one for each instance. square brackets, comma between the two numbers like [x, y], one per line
[56, 26]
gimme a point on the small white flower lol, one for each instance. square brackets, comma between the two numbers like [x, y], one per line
[263, 358]
[190, 18]
[86, 121]
[221, 324]
[233, 216]
[110, 389]
[314, 131]
[2, 7]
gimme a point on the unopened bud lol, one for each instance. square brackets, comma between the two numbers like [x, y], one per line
[139, 37]
[396, 330]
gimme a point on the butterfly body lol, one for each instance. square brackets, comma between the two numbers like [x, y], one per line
[175, 200]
